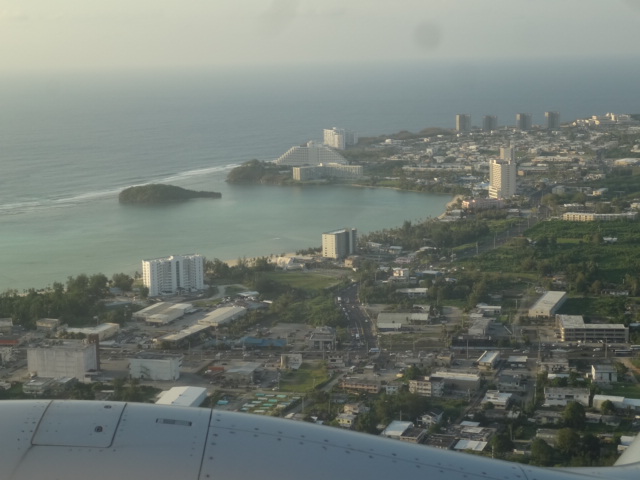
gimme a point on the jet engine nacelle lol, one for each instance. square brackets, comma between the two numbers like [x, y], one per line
[69, 439]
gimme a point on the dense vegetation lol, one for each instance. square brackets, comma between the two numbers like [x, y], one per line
[573, 255]
[77, 303]
[257, 172]
[297, 297]
[159, 193]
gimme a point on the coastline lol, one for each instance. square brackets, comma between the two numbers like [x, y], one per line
[272, 258]
[290, 255]
[451, 204]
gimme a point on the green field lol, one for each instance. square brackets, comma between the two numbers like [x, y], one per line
[624, 390]
[303, 380]
[304, 280]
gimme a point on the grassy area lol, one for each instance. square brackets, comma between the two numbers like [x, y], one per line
[598, 307]
[305, 379]
[303, 280]
[231, 290]
[405, 342]
[624, 390]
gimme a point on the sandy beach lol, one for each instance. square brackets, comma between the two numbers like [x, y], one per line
[451, 204]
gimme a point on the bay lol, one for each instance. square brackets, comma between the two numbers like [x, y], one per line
[104, 236]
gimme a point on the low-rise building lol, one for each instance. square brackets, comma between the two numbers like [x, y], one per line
[70, 358]
[47, 324]
[184, 337]
[479, 325]
[517, 361]
[604, 373]
[417, 292]
[598, 217]
[346, 420]
[155, 366]
[620, 403]
[471, 445]
[402, 318]
[560, 397]
[102, 331]
[548, 417]
[163, 313]
[323, 338]
[433, 417]
[489, 359]
[497, 399]
[554, 365]
[392, 388]
[6, 326]
[38, 386]
[326, 170]
[405, 431]
[243, 372]
[223, 316]
[489, 310]
[427, 386]
[572, 328]
[355, 408]
[459, 383]
[548, 435]
[512, 383]
[291, 361]
[356, 385]
[442, 441]
[183, 396]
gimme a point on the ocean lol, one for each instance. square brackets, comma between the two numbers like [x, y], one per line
[69, 142]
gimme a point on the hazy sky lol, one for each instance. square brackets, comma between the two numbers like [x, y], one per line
[61, 34]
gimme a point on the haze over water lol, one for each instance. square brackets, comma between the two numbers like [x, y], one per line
[70, 143]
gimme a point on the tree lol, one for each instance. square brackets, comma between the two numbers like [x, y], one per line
[568, 442]
[501, 443]
[607, 407]
[541, 453]
[621, 369]
[591, 447]
[122, 281]
[574, 415]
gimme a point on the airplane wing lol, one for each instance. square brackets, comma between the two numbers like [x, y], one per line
[43, 439]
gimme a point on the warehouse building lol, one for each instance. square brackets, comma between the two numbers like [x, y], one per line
[183, 396]
[548, 304]
[163, 313]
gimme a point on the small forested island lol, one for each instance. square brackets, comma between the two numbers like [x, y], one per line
[160, 193]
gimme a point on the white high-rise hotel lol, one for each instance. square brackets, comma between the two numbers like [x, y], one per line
[339, 243]
[339, 138]
[170, 274]
[502, 174]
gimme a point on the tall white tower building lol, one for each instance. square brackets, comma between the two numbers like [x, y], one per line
[170, 274]
[463, 122]
[508, 153]
[523, 121]
[339, 138]
[339, 243]
[502, 174]
[553, 120]
[489, 123]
